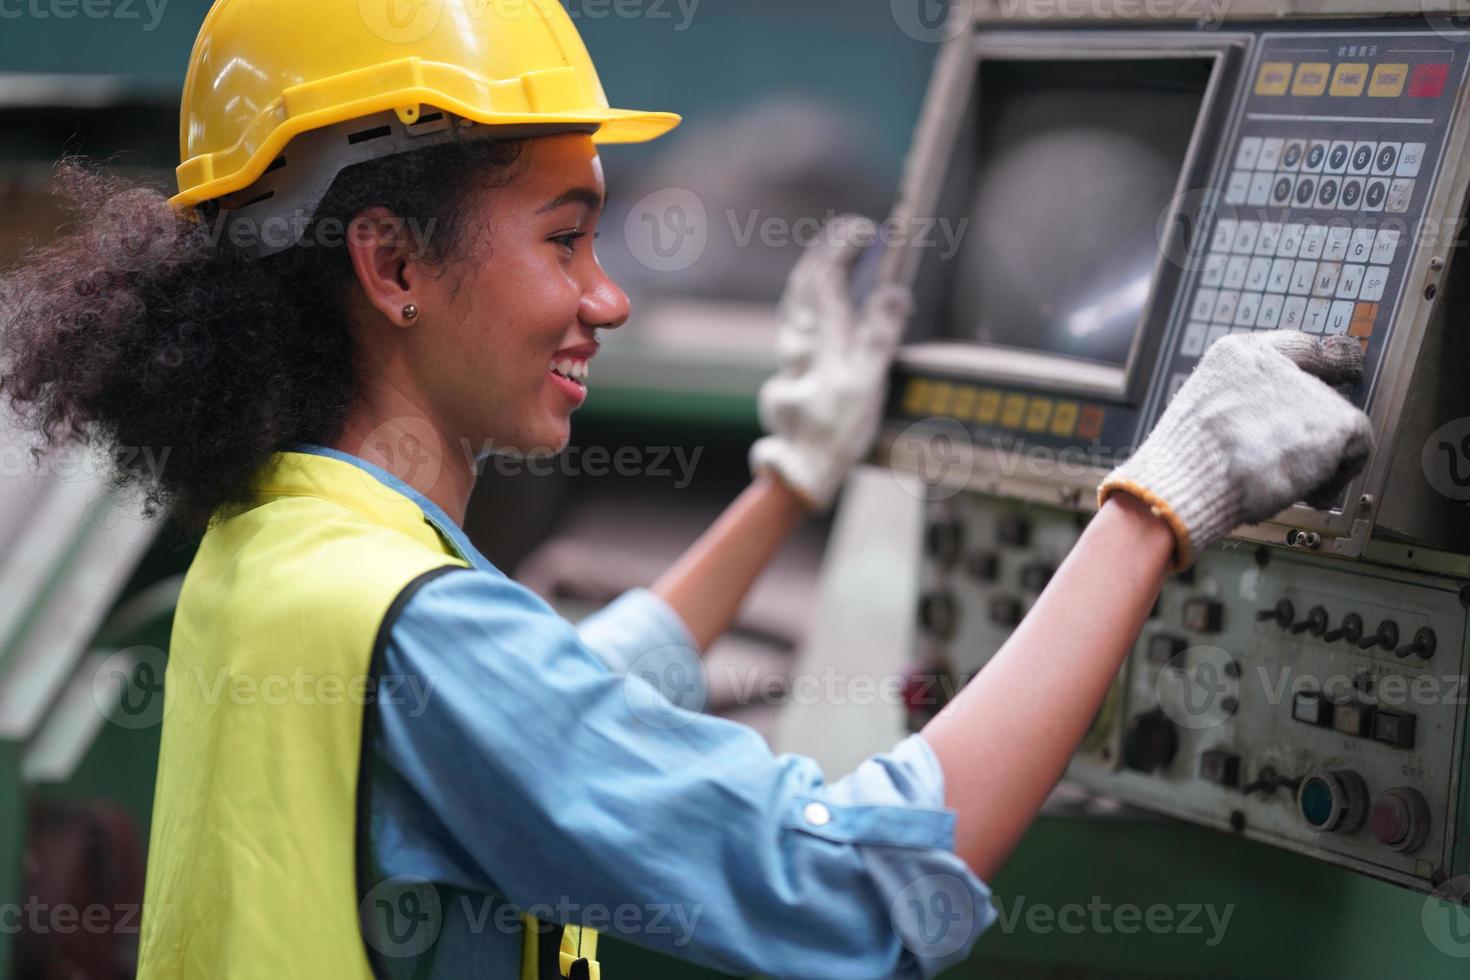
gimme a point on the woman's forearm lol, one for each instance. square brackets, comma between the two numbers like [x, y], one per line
[709, 581]
[1006, 738]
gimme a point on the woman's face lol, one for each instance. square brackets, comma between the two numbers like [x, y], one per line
[501, 347]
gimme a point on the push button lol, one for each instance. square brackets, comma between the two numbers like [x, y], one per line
[1203, 615]
[1353, 719]
[1309, 707]
[1013, 530]
[1006, 611]
[1388, 156]
[1394, 728]
[1220, 767]
[1164, 647]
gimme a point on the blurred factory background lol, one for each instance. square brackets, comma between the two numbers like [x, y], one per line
[792, 110]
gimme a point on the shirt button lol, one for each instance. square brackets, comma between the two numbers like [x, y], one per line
[817, 815]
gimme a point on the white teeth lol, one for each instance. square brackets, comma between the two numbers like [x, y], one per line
[570, 369]
[581, 370]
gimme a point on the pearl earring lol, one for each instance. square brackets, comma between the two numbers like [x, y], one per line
[410, 312]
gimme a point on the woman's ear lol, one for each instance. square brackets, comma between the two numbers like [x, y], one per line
[384, 259]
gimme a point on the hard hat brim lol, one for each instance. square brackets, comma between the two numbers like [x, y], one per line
[614, 126]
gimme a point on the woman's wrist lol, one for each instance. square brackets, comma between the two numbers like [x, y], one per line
[1156, 535]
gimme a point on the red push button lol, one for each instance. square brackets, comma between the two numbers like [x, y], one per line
[1427, 81]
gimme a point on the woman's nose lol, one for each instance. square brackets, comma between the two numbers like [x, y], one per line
[604, 304]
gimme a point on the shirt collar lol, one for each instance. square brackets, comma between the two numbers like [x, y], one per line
[400, 506]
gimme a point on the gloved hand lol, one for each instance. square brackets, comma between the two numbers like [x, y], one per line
[822, 406]
[1256, 428]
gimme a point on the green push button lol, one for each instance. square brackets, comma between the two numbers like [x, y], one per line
[1316, 802]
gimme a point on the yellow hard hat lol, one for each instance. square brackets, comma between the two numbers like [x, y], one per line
[264, 71]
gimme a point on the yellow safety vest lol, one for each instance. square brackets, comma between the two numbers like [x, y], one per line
[253, 852]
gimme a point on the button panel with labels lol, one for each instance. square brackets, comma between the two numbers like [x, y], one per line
[1321, 194]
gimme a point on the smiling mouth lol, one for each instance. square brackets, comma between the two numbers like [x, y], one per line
[574, 369]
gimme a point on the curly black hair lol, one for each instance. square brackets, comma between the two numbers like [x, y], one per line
[145, 328]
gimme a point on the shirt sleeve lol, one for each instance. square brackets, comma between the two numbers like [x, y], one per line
[587, 796]
[640, 632]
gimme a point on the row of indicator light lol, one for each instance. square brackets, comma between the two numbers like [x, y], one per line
[1348, 79]
[923, 397]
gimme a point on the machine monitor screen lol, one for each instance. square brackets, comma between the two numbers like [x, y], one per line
[1076, 164]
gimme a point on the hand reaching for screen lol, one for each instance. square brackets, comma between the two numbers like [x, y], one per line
[822, 406]
[1256, 428]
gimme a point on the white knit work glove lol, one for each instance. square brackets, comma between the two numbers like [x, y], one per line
[822, 406]
[1256, 428]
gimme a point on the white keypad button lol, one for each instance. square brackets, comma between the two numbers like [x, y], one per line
[1302, 277]
[1338, 156]
[1350, 281]
[1260, 189]
[1400, 194]
[1224, 235]
[1337, 242]
[1313, 239]
[1270, 156]
[1316, 157]
[1269, 238]
[1268, 317]
[1411, 156]
[1292, 154]
[1204, 304]
[1385, 243]
[1350, 198]
[1245, 310]
[1235, 272]
[1293, 311]
[1237, 188]
[1315, 320]
[1282, 187]
[1362, 159]
[1387, 158]
[1245, 237]
[1375, 194]
[1326, 282]
[1260, 272]
[1214, 270]
[1339, 317]
[1225, 305]
[1193, 344]
[1373, 282]
[1359, 245]
[1245, 156]
[1327, 191]
[1291, 240]
[1280, 277]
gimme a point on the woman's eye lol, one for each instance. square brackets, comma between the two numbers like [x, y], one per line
[568, 241]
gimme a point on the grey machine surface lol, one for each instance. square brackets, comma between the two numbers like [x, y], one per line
[1134, 190]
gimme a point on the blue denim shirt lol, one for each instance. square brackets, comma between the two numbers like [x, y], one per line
[567, 772]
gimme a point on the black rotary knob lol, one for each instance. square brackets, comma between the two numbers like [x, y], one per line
[1150, 741]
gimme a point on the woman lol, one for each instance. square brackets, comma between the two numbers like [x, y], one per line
[383, 757]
